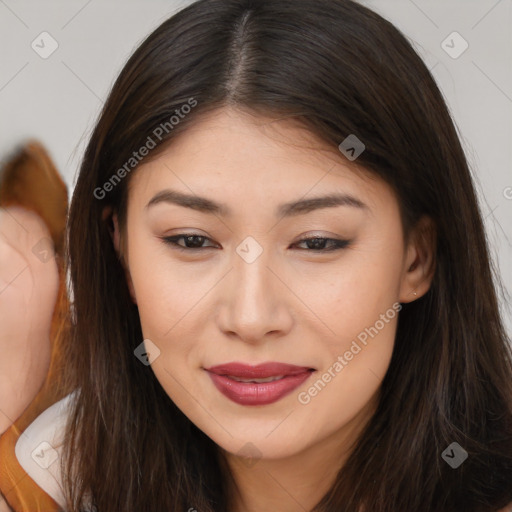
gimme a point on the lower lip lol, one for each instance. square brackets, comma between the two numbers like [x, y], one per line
[254, 393]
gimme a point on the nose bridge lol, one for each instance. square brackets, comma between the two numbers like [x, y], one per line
[254, 305]
[252, 288]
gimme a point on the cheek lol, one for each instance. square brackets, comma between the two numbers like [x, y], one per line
[356, 311]
[360, 330]
[166, 290]
[356, 334]
[169, 305]
[353, 294]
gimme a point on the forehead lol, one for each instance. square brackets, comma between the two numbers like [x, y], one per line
[232, 154]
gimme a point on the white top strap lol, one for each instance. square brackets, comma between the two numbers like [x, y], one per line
[39, 448]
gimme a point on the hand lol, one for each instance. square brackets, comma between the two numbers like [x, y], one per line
[29, 283]
[3, 505]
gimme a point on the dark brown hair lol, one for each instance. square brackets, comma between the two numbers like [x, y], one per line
[339, 69]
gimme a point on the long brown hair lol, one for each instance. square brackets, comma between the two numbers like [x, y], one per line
[340, 69]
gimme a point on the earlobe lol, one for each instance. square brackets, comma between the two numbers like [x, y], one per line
[419, 264]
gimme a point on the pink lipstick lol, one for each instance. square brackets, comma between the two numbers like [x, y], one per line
[257, 385]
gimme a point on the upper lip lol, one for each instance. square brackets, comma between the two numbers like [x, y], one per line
[260, 371]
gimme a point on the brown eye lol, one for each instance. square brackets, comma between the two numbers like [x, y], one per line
[191, 241]
[319, 244]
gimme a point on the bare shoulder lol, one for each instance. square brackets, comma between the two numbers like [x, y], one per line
[3, 505]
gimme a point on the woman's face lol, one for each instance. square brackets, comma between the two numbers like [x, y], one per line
[254, 292]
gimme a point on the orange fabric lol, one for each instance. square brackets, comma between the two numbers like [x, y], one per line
[21, 493]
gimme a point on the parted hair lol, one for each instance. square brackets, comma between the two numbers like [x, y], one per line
[338, 68]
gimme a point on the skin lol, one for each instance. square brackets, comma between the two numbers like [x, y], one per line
[292, 304]
[28, 291]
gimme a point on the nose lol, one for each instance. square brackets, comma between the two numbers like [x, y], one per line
[254, 302]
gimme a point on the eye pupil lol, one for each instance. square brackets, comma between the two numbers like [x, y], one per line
[316, 243]
[197, 238]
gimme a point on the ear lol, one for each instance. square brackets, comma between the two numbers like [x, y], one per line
[115, 234]
[419, 263]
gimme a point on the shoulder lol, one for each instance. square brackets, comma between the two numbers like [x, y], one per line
[39, 448]
[35, 451]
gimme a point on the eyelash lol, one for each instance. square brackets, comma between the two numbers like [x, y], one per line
[171, 240]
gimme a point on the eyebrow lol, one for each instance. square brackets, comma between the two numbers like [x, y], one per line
[298, 207]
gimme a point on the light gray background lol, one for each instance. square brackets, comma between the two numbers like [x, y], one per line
[57, 99]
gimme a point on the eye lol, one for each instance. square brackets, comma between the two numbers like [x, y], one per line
[318, 244]
[194, 242]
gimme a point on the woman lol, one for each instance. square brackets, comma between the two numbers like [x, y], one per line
[282, 293]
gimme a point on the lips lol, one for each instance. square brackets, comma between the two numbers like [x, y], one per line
[260, 371]
[243, 383]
